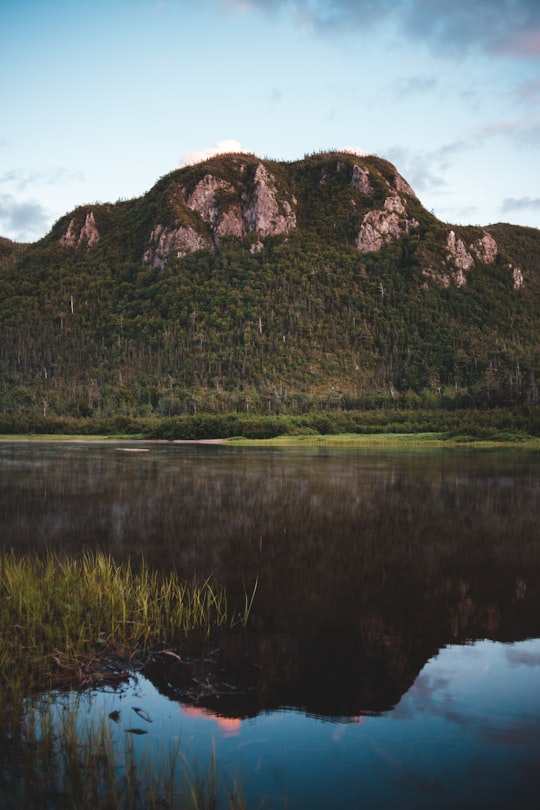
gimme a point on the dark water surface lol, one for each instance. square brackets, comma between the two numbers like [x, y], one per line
[393, 655]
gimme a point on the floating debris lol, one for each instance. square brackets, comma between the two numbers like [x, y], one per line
[141, 712]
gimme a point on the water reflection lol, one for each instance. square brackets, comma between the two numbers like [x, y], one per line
[368, 563]
[466, 734]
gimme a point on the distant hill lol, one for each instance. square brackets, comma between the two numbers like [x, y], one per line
[265, 286]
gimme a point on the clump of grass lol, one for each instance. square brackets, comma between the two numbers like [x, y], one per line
[60, 619]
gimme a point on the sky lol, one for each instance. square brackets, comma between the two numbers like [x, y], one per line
[99, 100]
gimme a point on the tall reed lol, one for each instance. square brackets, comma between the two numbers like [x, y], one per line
[64, 616]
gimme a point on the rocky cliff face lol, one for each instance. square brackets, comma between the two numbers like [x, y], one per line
[462, 259]
[77, 234]
[242, 197]
[230, 210]
[384, 225]
[172, 243]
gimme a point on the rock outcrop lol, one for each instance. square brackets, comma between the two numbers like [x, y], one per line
[360, 179]
[77, 235]
[245, 198]
[459, 255]
[203, 199]
[379, 227]
[229, 210]
[263, 211]
[485, 249]
[517, 277]
[167, 243]
[401, 185]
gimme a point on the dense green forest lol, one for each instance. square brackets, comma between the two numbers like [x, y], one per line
[291, 317]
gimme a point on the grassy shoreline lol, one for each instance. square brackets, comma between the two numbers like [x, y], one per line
[83, 620]
[488, 424]
[370, 440]
[389, 440]
[72, 625]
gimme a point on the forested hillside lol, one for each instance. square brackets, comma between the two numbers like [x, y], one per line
[252, 285]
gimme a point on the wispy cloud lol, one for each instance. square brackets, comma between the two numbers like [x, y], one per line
[520, 204]
[426, 170]
[21, 179]
[523, 132]
[505, 27]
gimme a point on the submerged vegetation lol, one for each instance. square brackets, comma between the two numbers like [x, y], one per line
[85, 621]
[53, 759]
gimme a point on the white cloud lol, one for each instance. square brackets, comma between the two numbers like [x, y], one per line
[355, 150]
[222, 147]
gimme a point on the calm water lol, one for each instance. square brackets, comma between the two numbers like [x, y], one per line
[394, 652]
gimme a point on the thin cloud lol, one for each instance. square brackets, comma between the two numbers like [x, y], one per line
[21, 179]
[22, 221]
[505, 27]
[520, 204]
[426, 171]
[221, 148]
[497, 26]
[525, 44]
[523, 132]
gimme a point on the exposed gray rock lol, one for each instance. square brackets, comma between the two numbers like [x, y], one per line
[262, 211]
[460, 278]
[402, 186]
[230, 223]
[485, 248]
[259, 210]
[74, 237]
[167, 243]
[458, 253]
[382, 226]
[517, 276]
[360, 179]
[203, 198]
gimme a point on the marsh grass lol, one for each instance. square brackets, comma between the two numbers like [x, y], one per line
[393, 441]
[87, 622]
[81, 620]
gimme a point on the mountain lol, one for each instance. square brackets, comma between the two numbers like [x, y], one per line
[243, 283]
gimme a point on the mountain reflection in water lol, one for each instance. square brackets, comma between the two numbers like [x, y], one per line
[368, 563]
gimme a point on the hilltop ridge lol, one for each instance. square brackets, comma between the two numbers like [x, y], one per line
[254, 283]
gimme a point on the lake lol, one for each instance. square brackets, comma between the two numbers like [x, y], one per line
[393, 652]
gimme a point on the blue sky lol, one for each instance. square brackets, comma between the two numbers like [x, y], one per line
[101, 99]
